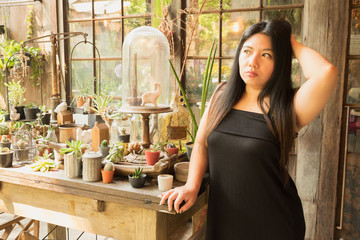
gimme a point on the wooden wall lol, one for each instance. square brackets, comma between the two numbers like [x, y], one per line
[325, 27]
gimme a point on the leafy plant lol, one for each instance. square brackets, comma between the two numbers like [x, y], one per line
[100, 103]
[16, 93]
[116, 153]
[138, 172]
[74, 147]
[85, 86]
[156, 147]
[206, 84]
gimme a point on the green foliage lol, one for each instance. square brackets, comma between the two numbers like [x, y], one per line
[74, 147]
[85, 86]
[138, 172]
[4, 128]
[29, 22]
[104, 143]
[116, 153]
[16, 93]
[100, 103]
[205, 90]
[156, 147]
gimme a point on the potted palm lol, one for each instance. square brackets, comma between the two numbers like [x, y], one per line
[137, 178]
[152, 155]
[205, 89]
[72, 158]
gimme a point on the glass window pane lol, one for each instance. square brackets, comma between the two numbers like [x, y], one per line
[281, 2]
[233, 4]
[294, 16]
[82, 80]
[226, 66]
[209, 4]
[353, 86]
[354, 131]
[111, 75]
[136, 7]
[81, 50]
[206, 32]
[80, 9]
[108, 38]
[194, 78]
[234, 24]
[130, 24]
[108, 8]
[355, 32]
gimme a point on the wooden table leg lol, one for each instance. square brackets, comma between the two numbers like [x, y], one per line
[58, 233]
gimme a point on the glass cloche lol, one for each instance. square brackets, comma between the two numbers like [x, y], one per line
[145, 81]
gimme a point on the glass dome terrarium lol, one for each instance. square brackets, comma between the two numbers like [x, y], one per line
[145, 82]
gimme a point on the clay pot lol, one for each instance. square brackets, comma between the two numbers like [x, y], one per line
[151, 157]
[171, 151]
[107, 176]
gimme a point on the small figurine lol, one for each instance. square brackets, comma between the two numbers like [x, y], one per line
[61, 107]
[87, 105]
[14, 115]
[151, 96]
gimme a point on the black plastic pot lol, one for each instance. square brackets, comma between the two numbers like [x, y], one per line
[30, 113]
[46, 119]
[189, 146]
[124, 138]
[137, 182]
[20, 110]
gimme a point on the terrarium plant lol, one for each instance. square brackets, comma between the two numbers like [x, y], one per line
[137, 178]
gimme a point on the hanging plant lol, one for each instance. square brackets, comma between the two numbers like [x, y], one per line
[29, 22]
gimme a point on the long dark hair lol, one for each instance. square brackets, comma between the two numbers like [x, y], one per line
[280, 116]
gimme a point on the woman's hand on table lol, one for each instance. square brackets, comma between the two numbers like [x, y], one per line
[175, 197]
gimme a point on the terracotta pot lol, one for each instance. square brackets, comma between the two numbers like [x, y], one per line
[8, 136]
[171, 151]
[107, 176]
[137, 182]
[151, 157]
[41, 150]
[80, 101]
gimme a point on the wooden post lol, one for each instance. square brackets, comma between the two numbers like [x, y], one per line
[318, 149]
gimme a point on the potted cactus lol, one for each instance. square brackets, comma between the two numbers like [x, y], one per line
[137, 178]
[104, 148]
[171, 149]
[5, 142]
[107, 172]
[152, 155]
[4, 130]
[6, 157]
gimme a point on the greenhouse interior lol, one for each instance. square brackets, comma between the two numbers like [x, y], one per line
[179, 119]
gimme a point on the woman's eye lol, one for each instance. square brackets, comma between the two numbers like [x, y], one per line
[267, 55]
[246, 51]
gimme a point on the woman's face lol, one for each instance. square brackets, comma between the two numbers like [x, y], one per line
[256, 61]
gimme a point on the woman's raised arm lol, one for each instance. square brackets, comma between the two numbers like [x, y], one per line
[321, 76]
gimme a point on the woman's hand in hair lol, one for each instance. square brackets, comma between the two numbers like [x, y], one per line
[180, 198]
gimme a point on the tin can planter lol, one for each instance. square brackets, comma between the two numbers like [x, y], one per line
[151, 157]
[91, 166]
[72, 166]
[107, 176]
[137, 182]
[6, 159]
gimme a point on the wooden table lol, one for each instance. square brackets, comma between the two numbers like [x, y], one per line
[115, 210]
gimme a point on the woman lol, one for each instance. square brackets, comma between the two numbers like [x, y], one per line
[245, 137]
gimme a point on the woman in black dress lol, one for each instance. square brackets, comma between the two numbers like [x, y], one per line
[246, 134]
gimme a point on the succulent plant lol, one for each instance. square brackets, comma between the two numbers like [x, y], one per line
[104, 143]
[4, 129]
[109, 166]
[20, 144]
[138, 172]
[5, 139]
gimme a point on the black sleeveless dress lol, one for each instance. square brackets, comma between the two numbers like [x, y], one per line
[248, 198]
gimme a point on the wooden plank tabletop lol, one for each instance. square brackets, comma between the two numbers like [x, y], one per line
[119, 191]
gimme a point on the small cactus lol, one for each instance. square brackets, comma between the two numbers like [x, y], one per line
[5, 139]
[104, 143]
[109, 166]
[170, 145]
[4, 129]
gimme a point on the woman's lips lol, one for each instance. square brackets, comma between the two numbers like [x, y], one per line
[251, 74]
